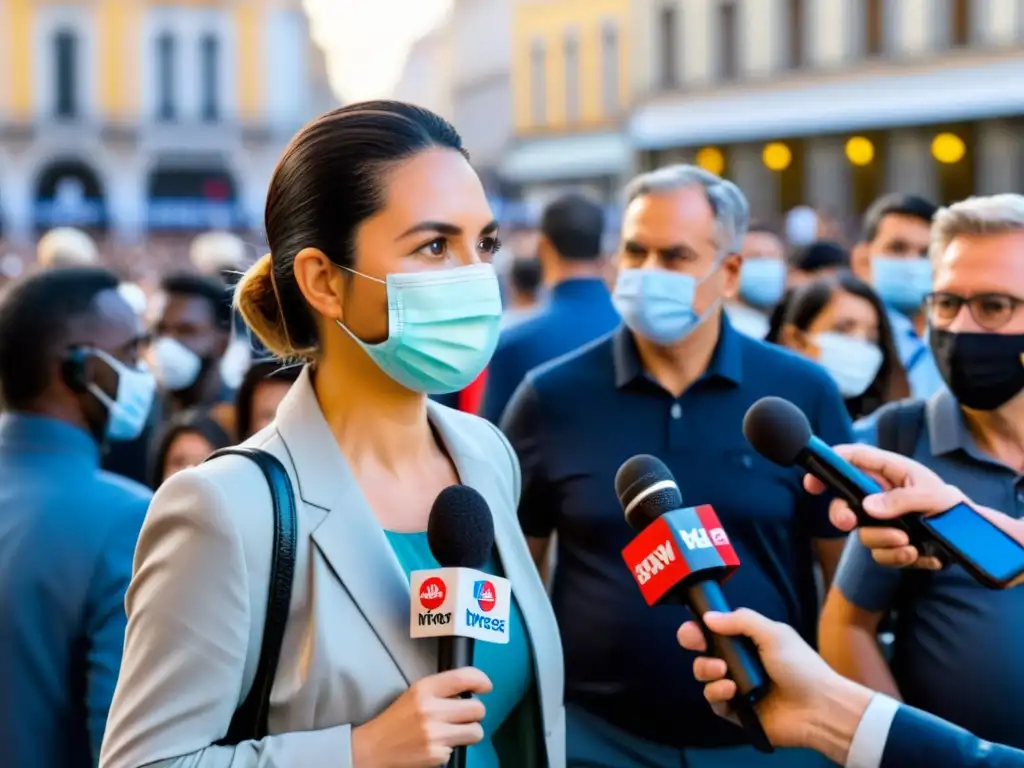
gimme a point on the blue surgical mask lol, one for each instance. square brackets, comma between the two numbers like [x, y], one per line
[762, 282]
[128, 411]
[442, 327]
[902, 283]
[657, 304]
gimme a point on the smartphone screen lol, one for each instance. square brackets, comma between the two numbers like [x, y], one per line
[969, 534]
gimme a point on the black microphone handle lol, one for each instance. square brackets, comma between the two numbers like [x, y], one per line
[850, 491]
[740, 656]
[455, 653]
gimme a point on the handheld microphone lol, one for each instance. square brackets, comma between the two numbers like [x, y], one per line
[458, 603]
[681, 556]
[780, 432]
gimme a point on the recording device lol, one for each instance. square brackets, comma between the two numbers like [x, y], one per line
[458, 603]
[681, 556]
[780, 432]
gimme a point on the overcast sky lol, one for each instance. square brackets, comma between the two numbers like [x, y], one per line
[366, 40]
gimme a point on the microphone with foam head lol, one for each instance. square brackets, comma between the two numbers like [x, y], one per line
[780, 432]
[682, 555]
[459, 603]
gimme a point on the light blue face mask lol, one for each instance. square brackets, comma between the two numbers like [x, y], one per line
[902, 283]
[129, 410]
[762, 282]
[657, 304]
[442, 327]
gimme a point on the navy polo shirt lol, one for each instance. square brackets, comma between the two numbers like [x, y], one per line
[573, 423]
[577, 312]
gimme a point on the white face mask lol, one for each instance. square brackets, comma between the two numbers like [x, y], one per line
[176, 366]
[136, 389]
[853, 363]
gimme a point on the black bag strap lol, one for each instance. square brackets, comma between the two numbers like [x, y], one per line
[250, 719]
[899, 426]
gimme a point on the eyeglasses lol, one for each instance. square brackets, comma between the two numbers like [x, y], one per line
[990, 310]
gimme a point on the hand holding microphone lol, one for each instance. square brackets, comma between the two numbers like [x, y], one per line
[809, 705]
[433, 722]
[681, 555]
[906, 514]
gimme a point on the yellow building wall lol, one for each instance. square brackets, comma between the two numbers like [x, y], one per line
[250, 18]
[549, 22]
[20, 58]
[119, 28]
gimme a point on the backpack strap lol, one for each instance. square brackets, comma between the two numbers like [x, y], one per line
[899, 426]
[250, 719]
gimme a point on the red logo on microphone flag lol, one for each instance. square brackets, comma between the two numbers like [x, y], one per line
[719, 538]
[483, 592]
[432, 593]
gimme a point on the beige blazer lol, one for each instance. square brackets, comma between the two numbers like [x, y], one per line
[198, 596]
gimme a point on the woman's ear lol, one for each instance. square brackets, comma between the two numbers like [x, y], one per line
[321, 282]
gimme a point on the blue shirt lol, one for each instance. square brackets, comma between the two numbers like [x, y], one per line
[576, 312]
[915, 354]
[573, 423]
[510, 666]
[67, 538]
[952, 626]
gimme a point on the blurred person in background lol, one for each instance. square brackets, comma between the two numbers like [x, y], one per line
[189, 339]
[674, 381]
[185, 441]
[812, 261]
[224, 255]
[971, 434]
[11, 268]
[262, 389]
[892, 256]
[762, 281]
[71, 382]
[841, 324]
[578, 308]
[66, 247]
[525, 281]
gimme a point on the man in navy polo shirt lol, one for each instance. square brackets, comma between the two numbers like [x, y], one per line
[674, 382]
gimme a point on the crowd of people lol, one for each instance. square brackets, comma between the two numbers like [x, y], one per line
[385, 363]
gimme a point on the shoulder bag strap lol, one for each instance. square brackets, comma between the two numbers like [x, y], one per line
[250, 719]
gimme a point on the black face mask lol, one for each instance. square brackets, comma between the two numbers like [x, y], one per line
[984, 371]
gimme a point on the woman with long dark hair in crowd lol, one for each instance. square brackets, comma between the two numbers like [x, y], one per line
[262, 389]
[185, 441]
[841, 323]
[378, 276]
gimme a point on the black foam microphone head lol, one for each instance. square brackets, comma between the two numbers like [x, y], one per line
[646, 490]
[777, 429]
[460, 529]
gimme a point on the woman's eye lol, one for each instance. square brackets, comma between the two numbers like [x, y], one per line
[490, 245]
[436, 248]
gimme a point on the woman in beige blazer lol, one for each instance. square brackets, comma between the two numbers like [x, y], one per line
[379, 276]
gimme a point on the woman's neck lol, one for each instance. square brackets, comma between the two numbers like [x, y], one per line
[373, 418]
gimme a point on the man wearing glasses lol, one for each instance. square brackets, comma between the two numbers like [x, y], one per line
[972, 436]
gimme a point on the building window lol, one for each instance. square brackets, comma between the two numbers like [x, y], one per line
[571, 49]
[538, 83]
[874, 27]
[209, 57]
[728, 48]
[610, 66]
[65, 54]
[797, 53]
[668, 66]
[166, 56]
[960, 23]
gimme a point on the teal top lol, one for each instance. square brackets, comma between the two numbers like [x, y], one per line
[510, 666]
